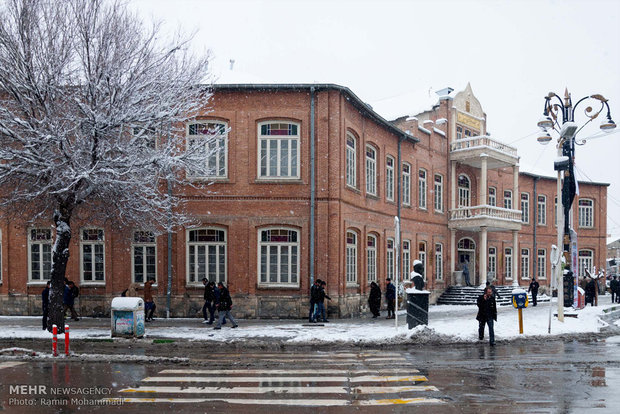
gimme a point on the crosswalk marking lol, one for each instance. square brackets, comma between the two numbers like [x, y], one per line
[278, 390]
[363, 378]
[287, 402]
[286, 371]
[10, 364]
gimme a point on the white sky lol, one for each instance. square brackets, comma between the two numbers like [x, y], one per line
[391, 52]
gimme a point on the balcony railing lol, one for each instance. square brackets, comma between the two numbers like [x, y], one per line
[484, 141]
[477, 212]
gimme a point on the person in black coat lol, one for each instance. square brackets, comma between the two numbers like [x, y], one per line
[314, 297]
[45, 302]
[320, 303]
[613, 286]
[224, 306]
[374, 300]
[590, 291]
[209, 297]
[534, 289]
[390, 297]
[487, 314]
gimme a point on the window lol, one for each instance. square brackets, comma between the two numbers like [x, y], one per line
[279, 257]
[525, 263]
[464, 193]
[586, 262]
[351, 257]
[492, 196]
[206, 255]
[525, 208]
[467, 133]
[422, 255]
[146, 138]
[92, 255]
[586, 213]
[439, 261]
[438, 192]
[371, 258]
[390, 258]
[508, 262]
[406, 260]
[279, 150]
[555, 211]
[351, 162]
[389, 178]
[459, 132]
[422, 189]
[508, 199]
[541, 214]
[371, 171]
[212, 139]
[492, 268]
[40, 254]
[144, 258]
[406, 184]
[541, 264]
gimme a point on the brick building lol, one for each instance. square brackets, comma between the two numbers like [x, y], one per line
[307, 185]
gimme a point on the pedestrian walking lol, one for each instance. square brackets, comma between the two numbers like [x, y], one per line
[613, 286]
[590, 291]
[390, 297]
[68, 299]
[149, 304]
[534, 285]
[209, 297]
[487, 314]
[494, 290]
[314, 295]
[374, 299]
[465, 269]
[319, 313]
[45, 302]
[224, 307]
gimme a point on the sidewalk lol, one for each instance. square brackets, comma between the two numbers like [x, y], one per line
[447, 324]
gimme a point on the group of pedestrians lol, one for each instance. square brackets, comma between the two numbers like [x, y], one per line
[69, 294]
[318, 295]
[217, 298]
[374, 299]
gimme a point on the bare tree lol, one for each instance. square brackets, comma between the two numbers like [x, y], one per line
[92, 111]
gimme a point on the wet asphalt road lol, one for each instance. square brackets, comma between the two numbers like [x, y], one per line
[527, 377]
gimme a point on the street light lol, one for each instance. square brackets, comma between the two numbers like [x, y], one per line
[567, 130]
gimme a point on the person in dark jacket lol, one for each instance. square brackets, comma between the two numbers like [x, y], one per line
[590, 291]
[465, 269]
[68, 300]
[314, 297]
[320, 303]
[374, 300]
[209, 297]
[390, 297]
[224, 306]
[494, 290]
[149, 303]
[45, 302]
[487, 314]
[534, 289]
[613, 286]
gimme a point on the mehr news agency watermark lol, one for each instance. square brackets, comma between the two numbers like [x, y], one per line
[46, 396]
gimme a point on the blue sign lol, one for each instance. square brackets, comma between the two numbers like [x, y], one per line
[520, 300]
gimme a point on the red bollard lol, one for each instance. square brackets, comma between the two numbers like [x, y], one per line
[67, 340]
[55, 340]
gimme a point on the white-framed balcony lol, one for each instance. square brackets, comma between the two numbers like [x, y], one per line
[492, 218]
[469, 151]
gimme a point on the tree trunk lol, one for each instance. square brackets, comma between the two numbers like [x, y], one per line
[60, 257]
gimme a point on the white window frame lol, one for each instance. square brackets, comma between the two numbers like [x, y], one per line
[422, 174]
[194, 264]
[508, 199]
[389, 258]
[525, 208]
[292, 264]
[351, 160]
[541, 214]
[492, 266]
[438, 261]
[293, 146]
[371, 258]
[406, 171]
[371, 170]
[585, 260]
[508, 258]
[216, 147]
[525, 263]
[41, 243]
[541, 264]
[406, 259]
[94, 245]
[143, 240]
[422, 250]
[586, 213]
[351, 257]
[389, 178]
[464, 193]
[492, 196]
[438, 193]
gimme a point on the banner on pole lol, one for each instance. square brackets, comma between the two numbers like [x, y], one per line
[574, 255]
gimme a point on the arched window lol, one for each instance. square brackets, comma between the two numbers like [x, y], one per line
[371, 258]
[351, 160]
[586, 261]
[464, 191]
[389, 178]
[439, 261]
[351, 257]
[466, 244]
[406, 184]
[422, 188]
[278, 257]
[371, 170]
[278, 150]
[206, 255]
[390, 258]
[508, 262]
[406, 260]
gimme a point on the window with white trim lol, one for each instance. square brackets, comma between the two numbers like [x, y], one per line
[390, 258]
[278, 257]
[351, 160]
[422, 189]
[464, 191]
[586, 213]
[371, 170]
[541, 214]
[406, 259]
[508, 199]
[508, 262]
[206, 255]
[389, 178]
[525, 208]
[422, 256]
[525, 263]
[492, 267]
[492, 196]
[278, 150]
[39, 254]
[586, 261]
[371, 258]
[541, 264]
[439, 261]
[144, 256]
[406, 184]
[92, 252]
[438, 193]
[211, 137]
[351, 258]
[459, 132]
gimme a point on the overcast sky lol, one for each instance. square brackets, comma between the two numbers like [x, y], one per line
[393, 54]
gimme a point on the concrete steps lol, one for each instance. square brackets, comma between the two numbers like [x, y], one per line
[464, 295]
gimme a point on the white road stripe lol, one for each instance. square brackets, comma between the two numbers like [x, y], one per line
[278, 390]
[288, 371]
[305, 402]
[363, 378]
[329, 356]
[10, 364]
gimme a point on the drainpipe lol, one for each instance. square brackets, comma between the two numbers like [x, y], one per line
[169, 285]
[535, 222]
[312, 186]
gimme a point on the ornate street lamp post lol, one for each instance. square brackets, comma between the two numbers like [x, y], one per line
[559, 116]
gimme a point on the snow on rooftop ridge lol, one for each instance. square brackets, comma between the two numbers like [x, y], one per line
[410, 102]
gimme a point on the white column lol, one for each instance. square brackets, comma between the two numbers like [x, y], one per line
[452, 251]
[453, 185]
[483, 255]
[483, 181]
[516, 197]
[516, 257]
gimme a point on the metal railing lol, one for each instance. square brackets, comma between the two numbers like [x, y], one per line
[485, 211]
[482, 142]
